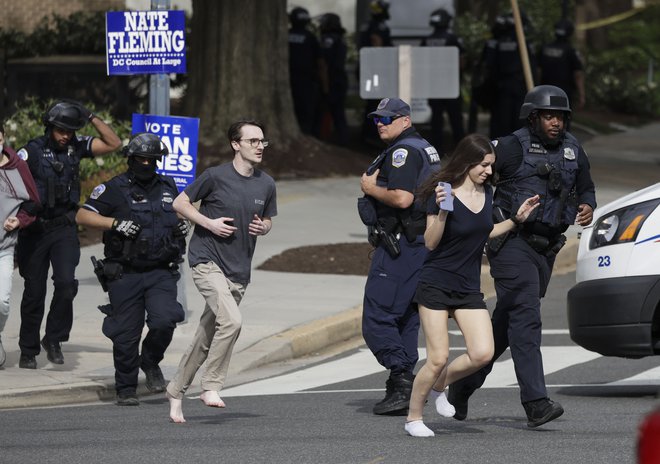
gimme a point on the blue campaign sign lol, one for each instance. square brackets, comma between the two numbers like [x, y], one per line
[145, 42]
[180, 135]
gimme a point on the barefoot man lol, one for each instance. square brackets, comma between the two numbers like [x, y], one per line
[237, 204]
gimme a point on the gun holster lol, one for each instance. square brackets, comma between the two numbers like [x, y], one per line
[379, 235]
[100, 274]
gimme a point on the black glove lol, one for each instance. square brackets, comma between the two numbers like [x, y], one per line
[127, 228]
[181, 229]
[86, 113]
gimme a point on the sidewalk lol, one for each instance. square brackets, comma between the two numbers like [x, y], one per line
[285, 315]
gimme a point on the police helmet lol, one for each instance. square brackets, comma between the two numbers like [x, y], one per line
[299, 17]
[544, 97]
[379, 7]
[331, 22]
[146, 145]
[564, 28]
[440, 18]
[64, 115]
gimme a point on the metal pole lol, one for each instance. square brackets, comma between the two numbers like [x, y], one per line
[159, 104]
[159, 84]
[522, 45]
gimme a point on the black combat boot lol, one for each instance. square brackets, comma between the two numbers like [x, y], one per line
[389, 390]
[541, 411]
[396, 403]
[459, 400]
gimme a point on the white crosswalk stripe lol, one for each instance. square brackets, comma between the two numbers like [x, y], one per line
[362, 363]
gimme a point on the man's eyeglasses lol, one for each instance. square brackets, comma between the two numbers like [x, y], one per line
[385, 120]
[254, 143]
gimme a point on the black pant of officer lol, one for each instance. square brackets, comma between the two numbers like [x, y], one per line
[453, 107]
[521, 279]
[305, 101]
[390, 320]
[132, 294]
[37, 250]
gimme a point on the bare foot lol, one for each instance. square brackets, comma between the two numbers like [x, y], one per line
[212, 399]
[176, 413]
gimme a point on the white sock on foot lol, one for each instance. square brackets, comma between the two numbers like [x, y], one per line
[418, 429]
[442, 405]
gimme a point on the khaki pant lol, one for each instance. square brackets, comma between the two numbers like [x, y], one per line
[216, 335]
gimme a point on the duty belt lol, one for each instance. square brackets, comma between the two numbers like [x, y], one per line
[54, 223]
[128, 269]
[543, 245]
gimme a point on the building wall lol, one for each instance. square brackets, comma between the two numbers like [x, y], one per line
[24, 15]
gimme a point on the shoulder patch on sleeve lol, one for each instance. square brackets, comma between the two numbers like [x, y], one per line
[494, 142]
[97, 192]
[399, 157]
[23, 154]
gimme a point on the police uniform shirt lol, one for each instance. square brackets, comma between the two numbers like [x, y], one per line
[39, 149]
[333, 51]
[559, 61]
[455, 264]
[304, 52]
[443, 39]
[400, 169]
[108, 200]
[377, 28]
[509, 155]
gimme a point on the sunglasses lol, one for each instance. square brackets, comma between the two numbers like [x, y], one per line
[385, 120]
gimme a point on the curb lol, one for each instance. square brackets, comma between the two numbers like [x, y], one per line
[317, 335]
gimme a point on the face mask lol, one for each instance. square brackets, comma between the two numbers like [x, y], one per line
[142, 172]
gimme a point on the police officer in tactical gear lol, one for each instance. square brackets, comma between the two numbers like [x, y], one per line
[333, 52]
[144, 240]
[390, 321]
[443, 36]
[54, 161]
[305, 69]
[541, 159]
[503, 67]
[561, 64]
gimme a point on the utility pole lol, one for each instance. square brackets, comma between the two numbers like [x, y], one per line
[522, 45]
[159, 84]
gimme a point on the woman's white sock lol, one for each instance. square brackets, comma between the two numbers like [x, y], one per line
[442, 405]
[418, 429]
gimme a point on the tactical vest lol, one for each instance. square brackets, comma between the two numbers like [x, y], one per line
[549, 173]
[156, 245]
[57, 179]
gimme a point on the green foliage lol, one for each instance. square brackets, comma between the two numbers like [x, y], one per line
[78, 33]
[618, 77]
[25, 125]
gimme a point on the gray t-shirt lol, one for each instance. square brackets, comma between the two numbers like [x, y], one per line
[226, 193]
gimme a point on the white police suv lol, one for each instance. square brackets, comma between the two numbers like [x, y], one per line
[615, 307]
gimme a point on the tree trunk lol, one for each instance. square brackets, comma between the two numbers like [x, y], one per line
[238, 68]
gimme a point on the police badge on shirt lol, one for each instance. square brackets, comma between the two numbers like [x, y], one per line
[399, 157]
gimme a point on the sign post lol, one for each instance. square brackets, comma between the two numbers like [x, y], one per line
[159, 84]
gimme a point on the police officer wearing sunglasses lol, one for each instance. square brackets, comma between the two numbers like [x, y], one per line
[390, 322]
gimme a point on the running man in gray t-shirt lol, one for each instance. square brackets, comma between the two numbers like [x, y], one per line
[237, 204]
